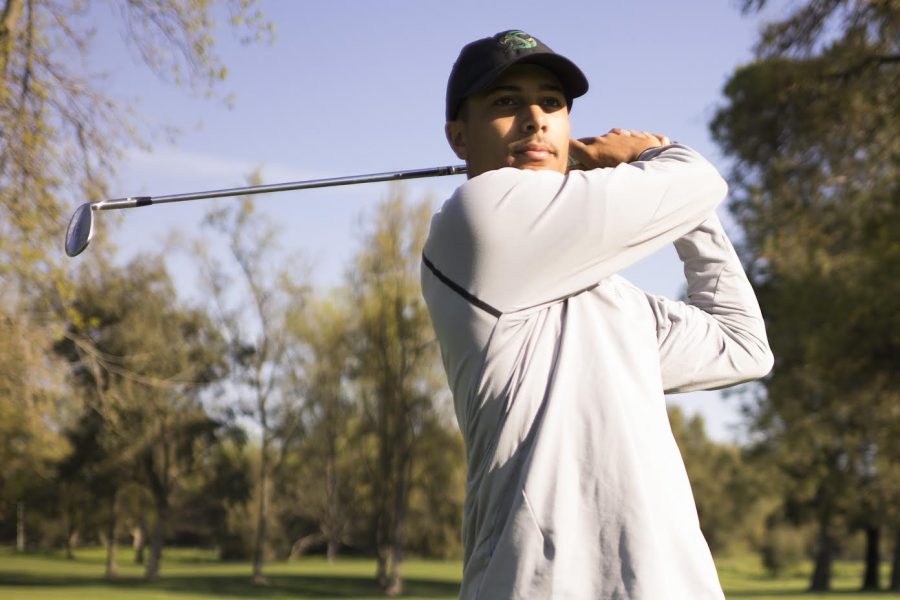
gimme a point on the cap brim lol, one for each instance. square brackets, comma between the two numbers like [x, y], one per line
[574, 83]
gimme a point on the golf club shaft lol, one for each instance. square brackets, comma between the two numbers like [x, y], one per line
[136, 201]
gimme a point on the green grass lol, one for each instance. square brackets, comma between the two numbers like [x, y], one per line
[196, 575]
[744, 577]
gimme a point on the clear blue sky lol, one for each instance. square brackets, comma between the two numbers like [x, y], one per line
[353, 87]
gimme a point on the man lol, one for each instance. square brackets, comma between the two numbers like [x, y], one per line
[558, 366]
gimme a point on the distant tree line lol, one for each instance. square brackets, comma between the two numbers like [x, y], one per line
[291, 423]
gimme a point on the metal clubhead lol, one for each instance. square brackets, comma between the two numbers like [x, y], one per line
[80, 231]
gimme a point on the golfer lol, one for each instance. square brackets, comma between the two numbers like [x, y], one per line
[558, 366]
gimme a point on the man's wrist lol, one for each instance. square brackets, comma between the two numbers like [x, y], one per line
[651, 153]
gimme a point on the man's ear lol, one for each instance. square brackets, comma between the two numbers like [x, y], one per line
[456, 137]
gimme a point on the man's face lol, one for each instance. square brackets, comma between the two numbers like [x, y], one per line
[520, 121]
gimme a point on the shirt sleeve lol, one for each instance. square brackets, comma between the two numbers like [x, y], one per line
[718, 337]
[515, 239]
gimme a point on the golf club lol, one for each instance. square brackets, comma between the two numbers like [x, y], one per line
[81, 225]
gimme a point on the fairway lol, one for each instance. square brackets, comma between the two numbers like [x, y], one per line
[196, 574]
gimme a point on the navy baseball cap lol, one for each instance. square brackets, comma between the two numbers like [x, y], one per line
[483, 61]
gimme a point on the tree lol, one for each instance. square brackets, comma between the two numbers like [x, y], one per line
[813, 128]
[140, 361]
[323, 329]
[61, 136]
[88, 477]
[396, 366]
[56, 116]
[438, 487]
[32, 409]
[259, 346]
[730, 492]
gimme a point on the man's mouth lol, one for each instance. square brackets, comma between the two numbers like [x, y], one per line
[534, 151]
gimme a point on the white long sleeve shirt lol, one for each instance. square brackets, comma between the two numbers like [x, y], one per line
[558, 368]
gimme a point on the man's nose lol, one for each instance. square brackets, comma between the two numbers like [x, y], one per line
[533, 118]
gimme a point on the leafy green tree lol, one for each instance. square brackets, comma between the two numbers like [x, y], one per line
[140, 360]
[32, 412]
[813, 128]
[327, 491]
[260, 353]
[732, 494]
[438, 487]
[61, 136]
[57, 117]
[396, 367]
[89, 470]
[322, 329]
[227, 483]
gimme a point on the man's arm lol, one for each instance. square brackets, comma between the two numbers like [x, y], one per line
[612, 149]
[718, 337]
[517, 239]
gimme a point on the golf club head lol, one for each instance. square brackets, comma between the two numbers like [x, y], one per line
[80, 231]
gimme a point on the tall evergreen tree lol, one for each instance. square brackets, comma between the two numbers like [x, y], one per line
[813, 127]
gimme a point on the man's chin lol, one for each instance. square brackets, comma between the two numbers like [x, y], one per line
[539, 166]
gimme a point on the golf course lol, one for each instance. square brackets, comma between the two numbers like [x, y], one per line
[480, 300]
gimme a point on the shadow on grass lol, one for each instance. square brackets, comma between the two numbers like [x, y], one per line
[295, 586]
[796, 593]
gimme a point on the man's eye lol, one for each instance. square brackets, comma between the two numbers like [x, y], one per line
[504, 101]
[552, 102]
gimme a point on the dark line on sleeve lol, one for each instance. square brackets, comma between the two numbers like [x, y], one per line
[461, 290]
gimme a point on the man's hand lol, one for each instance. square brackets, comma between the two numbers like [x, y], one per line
[616, 147]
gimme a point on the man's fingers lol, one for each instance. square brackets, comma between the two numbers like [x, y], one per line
[577, 148]
[578, 144]
[577, 154]
[614, 148]
[662, 139]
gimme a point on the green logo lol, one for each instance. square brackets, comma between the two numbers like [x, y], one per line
[517, 40]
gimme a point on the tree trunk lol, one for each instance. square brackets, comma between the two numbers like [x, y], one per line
[394, 585]
[71, 542]
[332, 527]
[821, 576]
[381, 549]
[112, 565]
[381, 577]
[331, 551]
[71, 531]
[873, 559]
[382, 490]
[259, 546]
[396, 463]
[20, 526]
[139, 539]
[151, 573]
[305, 543]
[895, 567]
[394, 580]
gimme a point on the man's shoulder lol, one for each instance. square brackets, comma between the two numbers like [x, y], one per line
[507, 177]
[507, 189]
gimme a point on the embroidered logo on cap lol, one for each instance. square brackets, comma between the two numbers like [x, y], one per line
[516, 40]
